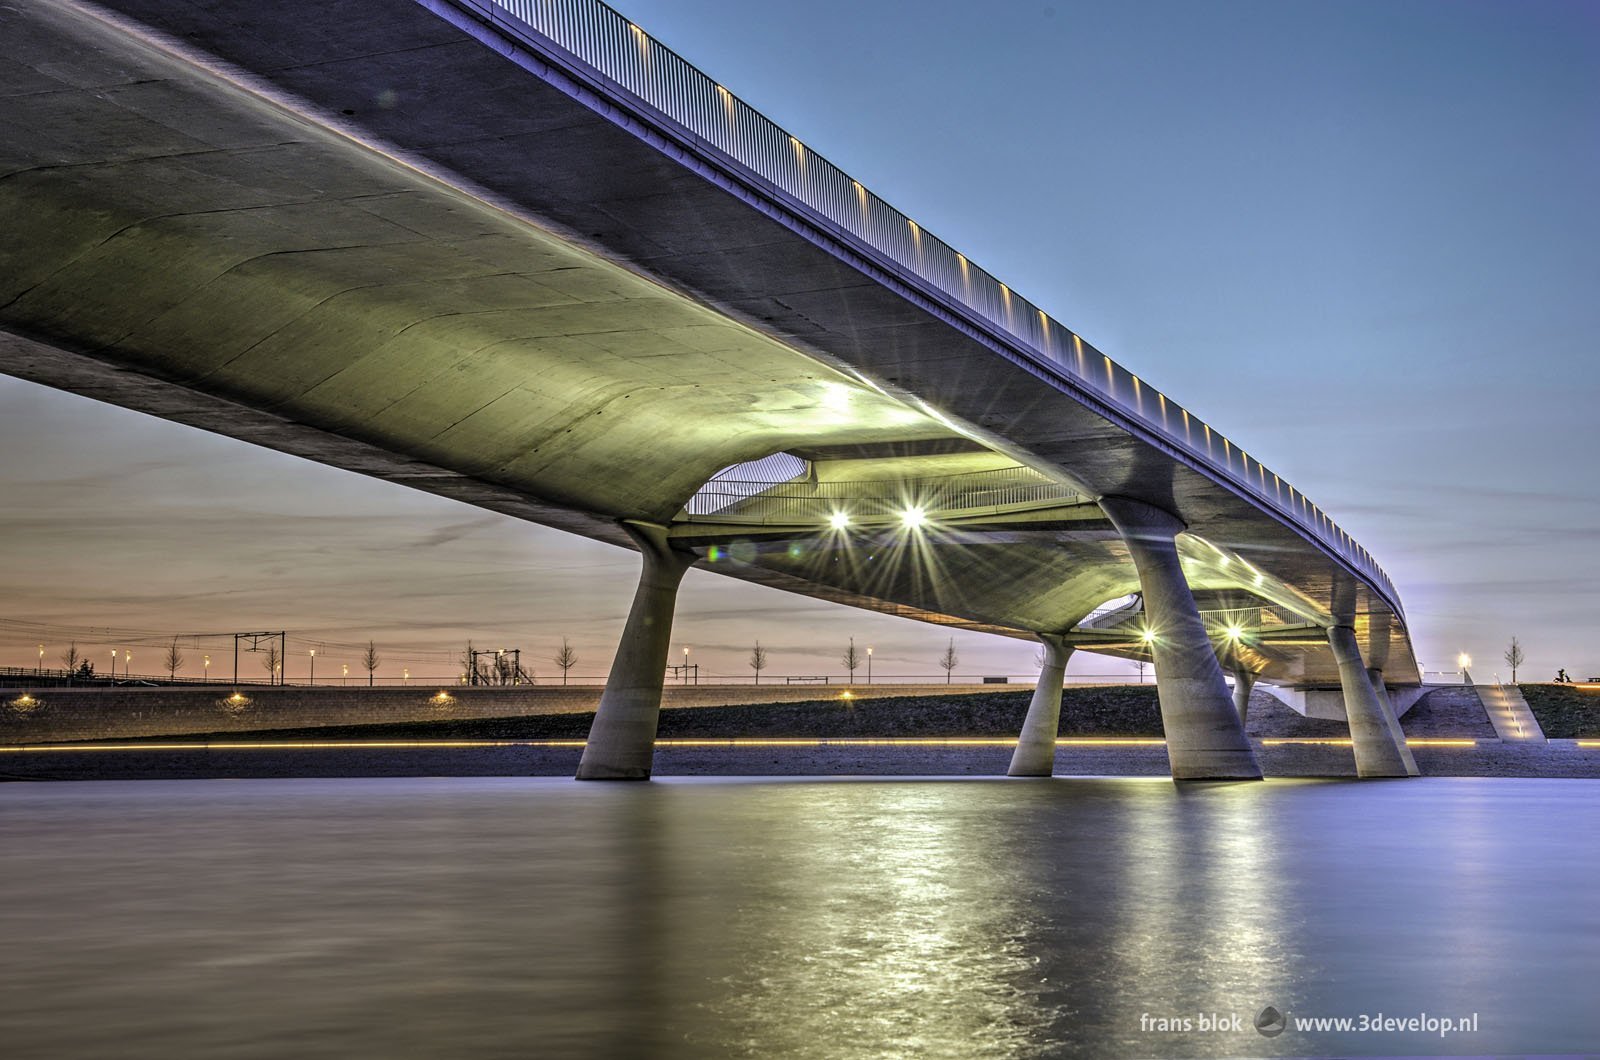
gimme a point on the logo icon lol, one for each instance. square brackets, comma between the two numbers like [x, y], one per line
[1270, 1023]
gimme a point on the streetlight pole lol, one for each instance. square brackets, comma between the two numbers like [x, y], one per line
[207, 669]
[127, 663]
[41, 658]
[346, 667]
[313, 680]
[869, 665]
[686, 666]
[113, 664]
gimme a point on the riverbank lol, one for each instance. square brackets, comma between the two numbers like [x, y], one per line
[264, 759]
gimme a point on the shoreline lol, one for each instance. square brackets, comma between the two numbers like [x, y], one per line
[1557, 759]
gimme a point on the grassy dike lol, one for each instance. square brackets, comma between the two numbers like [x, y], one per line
[1564, 712]
[1108, 710]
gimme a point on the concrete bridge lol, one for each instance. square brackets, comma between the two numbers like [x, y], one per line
[526, 257]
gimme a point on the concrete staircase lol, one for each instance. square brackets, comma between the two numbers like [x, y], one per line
[1509, 712]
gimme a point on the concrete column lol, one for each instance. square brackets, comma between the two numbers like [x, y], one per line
[1205, 738]
[1375, 677]
[1378, 752]
[1035, 755]
[1243, 681]
[623, 737]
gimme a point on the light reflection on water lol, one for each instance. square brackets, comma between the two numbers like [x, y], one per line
[834, 918]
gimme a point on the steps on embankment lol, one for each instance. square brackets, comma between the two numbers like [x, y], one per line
[1513, 720]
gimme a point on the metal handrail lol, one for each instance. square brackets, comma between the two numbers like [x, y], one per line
[720, 123]
[804, 501]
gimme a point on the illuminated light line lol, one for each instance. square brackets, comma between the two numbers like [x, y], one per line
[797, 741]
[380, 745]
[1586, 743]
[1345, 742]
[294, 745]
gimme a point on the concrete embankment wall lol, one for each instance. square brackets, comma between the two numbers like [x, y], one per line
[120, 713]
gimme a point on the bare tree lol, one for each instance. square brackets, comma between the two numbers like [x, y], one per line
[174, 659]
[71, 658]
[851, 659]
[566, 658]
[370, 660]
[758, 660]
[949, 660]
[271, 663]
[1514, 658]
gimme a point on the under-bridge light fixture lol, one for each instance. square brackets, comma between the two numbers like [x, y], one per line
[839, 520]
[1147, 635]
[1235, 632]
[913, 518]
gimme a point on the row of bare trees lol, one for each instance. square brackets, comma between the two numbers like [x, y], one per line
[853, 660]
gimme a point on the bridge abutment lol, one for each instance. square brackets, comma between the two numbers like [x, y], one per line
[622, 739]
[1205, 737]
[1035, 755]
[1379, 751]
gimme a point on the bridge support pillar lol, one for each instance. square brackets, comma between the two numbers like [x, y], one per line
[622, 739]
[1035, 755]
[1375, 676]
[1379, 751]
[1243, 682]
[1205, 737]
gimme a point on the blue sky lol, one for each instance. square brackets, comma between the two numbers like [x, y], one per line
[1360, 237]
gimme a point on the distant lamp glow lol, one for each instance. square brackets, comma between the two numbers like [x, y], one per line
[913, 518]
[839, 520]
[847, 695]
[1464, 660]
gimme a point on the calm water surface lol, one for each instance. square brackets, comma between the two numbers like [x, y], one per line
[826, 918]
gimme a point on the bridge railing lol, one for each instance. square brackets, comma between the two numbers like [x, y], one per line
[801, 501]
[608, 43]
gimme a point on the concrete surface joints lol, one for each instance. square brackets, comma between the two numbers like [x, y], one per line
[1035, 755]
[622, 739]
[1205, 737]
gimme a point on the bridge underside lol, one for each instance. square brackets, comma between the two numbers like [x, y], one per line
[360, 236]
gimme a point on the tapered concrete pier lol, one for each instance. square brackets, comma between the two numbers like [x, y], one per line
[1205, 737]
[1375, 678]
[1243, 682]
[1035, 755]
[622, 739]
[1379, 752]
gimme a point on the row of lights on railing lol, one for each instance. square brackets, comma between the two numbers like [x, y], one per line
[912, 518]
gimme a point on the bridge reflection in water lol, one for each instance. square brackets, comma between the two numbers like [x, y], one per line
[803, 918]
